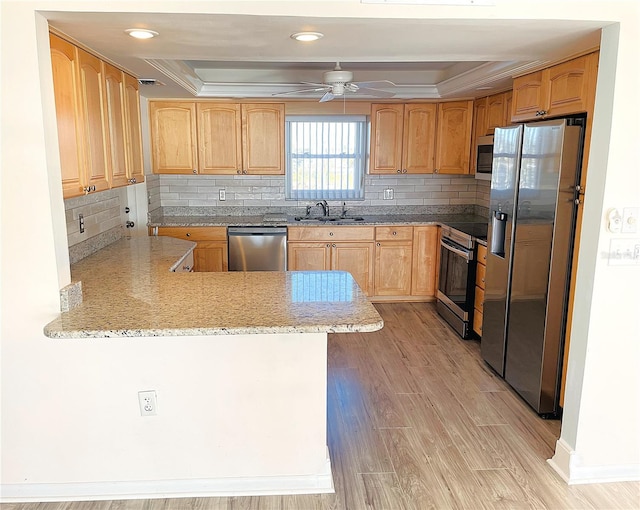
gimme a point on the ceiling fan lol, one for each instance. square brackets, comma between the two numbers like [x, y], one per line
[337, 83]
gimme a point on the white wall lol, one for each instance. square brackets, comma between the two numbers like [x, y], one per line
[41, 377]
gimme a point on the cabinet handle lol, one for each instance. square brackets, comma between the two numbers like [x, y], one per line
[377, 244]
[435, 170]
[238, 172]
[89, 189]
[394, 233]
[333, 245]
[195, 171]
[188, 234]
[331, 234]
[328, 245]
[132, 180]
[404, 170]
[186, 268]
[398, 171]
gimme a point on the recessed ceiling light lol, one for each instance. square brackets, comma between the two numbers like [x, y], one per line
[141, 33]
[307, 36]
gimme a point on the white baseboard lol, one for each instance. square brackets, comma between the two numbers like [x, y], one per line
[155, 489]
[566, 462]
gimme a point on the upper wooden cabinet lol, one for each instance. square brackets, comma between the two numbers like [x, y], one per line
[135, 165]
[563, 89]
[92, 118]
[263, 138]
[173, 137]
[496, 112]
[202, 137]
[115, 122]
[479, 128]
[219, 138]
[420, 137]
[453, 139]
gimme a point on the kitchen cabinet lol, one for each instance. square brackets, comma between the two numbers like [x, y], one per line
[135, 165]
[115, 123]
[393, 261]
[421, 138]
[200, 137]
[424, 266]
[564, 89]
[219, 138]
[403, 137]
[97, 119]
[496, 112]
[479, 128]
[211, 252]
[339, 248]
[173, 137]
[263, 138]
[78, 92]
[478, 303]
[453, 137]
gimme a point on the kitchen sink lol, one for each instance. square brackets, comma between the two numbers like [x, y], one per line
[330, 219]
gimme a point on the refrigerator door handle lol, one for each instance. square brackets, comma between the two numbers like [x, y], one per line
[498, 231]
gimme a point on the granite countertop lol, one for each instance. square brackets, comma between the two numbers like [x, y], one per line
[287, 220]
[130, 291]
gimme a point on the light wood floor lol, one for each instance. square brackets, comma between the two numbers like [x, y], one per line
[417, 421]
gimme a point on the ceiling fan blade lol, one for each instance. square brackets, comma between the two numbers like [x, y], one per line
[327, 97]
[299, 91]
[375, 92]
[315, 84]
[377, 83]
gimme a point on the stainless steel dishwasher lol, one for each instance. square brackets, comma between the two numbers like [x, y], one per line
[257, 248]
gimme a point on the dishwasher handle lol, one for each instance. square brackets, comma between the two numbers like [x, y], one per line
[257, 231]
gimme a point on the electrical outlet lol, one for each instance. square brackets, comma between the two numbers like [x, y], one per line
[81, 223]
[222, 195]
[388, 194]
[148, 403]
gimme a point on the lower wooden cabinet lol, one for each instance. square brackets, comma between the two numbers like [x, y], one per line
[390, 263]
[348, 249]
[478, 303]
[211, 252]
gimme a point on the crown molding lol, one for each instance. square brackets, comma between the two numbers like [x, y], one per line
[178, 72]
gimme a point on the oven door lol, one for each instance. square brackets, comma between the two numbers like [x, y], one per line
[456, 285]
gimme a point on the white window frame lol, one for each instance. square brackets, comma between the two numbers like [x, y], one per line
[325, 191]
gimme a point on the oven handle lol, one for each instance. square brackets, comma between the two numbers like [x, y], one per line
[467, 255]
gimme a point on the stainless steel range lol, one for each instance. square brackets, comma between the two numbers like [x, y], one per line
[456, 284]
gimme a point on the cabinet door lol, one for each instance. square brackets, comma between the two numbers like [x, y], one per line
[569, 86]
[308, 256]
[115, 122]
[263, 138]
[454, 137]
[479, 129]
[93, 120]
[173, 137]
[528, 96]
[425, 261]
[387, 122]
[135, 166]
[508, 106]
[495, 112]
[219, 138]
[393, 268]
[64, 63]
[211, 256]
[357, 259]
[419, 135]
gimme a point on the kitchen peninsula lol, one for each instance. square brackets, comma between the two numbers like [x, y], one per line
[238, 361]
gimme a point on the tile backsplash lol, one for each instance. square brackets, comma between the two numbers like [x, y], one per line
[104, 218]
[268, 191]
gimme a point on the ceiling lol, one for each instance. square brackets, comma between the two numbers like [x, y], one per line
[244, 56]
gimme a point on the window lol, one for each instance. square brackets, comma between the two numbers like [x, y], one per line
[326, 157]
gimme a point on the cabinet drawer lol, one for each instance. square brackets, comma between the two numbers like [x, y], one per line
[480, 275]
[394, 233]
[477, 322]
[336, 233]
[482, 255]
[478, 302]
[195, 233]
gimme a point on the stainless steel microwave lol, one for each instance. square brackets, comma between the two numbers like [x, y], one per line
[484, 157]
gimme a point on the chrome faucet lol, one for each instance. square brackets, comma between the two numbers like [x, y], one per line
[325, 207]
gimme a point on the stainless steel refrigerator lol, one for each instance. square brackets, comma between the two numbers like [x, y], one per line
[534, 194]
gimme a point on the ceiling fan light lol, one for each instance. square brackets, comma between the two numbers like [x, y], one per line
[307, 36]
[141, 33]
